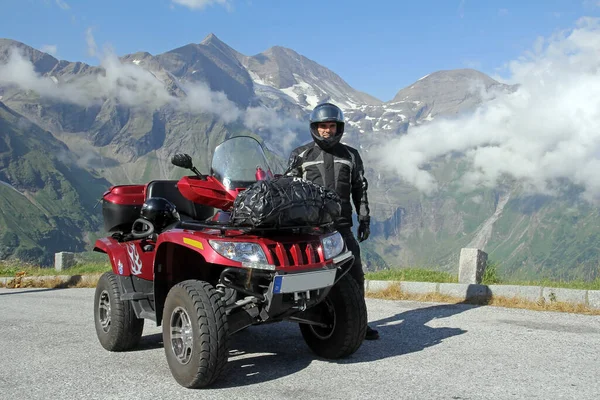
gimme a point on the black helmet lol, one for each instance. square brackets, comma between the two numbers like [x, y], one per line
[160, 212]
[326, 112]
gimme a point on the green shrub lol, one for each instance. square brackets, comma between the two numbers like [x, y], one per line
[490, 276]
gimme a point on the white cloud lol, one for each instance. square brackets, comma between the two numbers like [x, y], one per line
[280, 132]
[63, 4]
[20, 72]
[201, 99]
[503, 12]
[134, 86]
[126, 83]
[50, 49]
[543, 134]
[201, 4]
[92, 48]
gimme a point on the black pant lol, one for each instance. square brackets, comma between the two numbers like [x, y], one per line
[356, 271]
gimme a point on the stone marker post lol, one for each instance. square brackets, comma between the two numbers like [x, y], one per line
[471, 266]
[63, 260]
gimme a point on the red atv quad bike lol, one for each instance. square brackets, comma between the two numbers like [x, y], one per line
[189, 269]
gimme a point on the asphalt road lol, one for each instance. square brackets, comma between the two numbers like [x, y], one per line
[49, 350]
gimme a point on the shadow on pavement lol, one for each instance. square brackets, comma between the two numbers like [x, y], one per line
[267, 352]
[407, 332]
[264, 353]
[27, 291]
[150, 342]
[256, 354]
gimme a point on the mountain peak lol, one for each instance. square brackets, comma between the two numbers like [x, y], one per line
[5, 42]
[211, 38]
[278, 51]
[213, 42]
[458, 74]
[446, 81]
[43, 62]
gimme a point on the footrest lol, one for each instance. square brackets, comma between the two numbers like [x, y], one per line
[136, 296]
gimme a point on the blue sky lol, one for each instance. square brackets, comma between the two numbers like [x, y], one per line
[376, 46]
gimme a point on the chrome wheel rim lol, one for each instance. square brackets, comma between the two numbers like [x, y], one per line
[104, 311]
[326, 333]
[182, 335]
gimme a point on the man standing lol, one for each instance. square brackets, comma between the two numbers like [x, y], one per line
[336, 166]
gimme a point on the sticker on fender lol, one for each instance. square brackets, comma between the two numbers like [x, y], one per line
[302, 282]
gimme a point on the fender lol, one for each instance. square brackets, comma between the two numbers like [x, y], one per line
[131, 266]
[116, 254]
[127, 259]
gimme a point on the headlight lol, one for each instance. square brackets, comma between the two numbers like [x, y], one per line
[239, 251]
[332, 245]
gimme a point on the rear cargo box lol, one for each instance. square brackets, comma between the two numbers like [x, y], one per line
[121, 206]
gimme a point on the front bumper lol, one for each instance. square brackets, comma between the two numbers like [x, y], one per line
[277, 294]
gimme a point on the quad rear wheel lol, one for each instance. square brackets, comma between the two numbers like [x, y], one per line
[117, 326]
[195, 333]
[345, 313]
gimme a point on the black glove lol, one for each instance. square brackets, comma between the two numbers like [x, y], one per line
[363, 231]
[294, 163]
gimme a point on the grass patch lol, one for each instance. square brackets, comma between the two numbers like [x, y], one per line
[58, 282]
[490, 277]
[393, 292]
[583, 285]
[412, 275]
[11, 269]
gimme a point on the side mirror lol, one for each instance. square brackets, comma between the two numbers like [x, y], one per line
[185, 161]
[182, 160]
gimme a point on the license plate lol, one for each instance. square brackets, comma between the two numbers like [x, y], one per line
[302, 282]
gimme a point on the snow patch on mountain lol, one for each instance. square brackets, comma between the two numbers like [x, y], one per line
[304, 90]
[257, 79]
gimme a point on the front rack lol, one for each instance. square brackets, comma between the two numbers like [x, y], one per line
[198, 225]
[224, 228]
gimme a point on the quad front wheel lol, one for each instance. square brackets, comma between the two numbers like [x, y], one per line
[345, 313]
[195, 333]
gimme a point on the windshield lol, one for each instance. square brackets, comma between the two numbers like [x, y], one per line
[239, 162]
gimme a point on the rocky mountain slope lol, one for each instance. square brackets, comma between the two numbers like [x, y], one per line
[46, 199]
[123, 119]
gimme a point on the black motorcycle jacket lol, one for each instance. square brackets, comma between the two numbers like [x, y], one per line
[339, 168]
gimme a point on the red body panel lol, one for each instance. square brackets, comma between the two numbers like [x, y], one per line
[125, 194]
[128, 258]
[208, 192]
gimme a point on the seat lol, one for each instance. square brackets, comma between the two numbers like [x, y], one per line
[186, 208]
